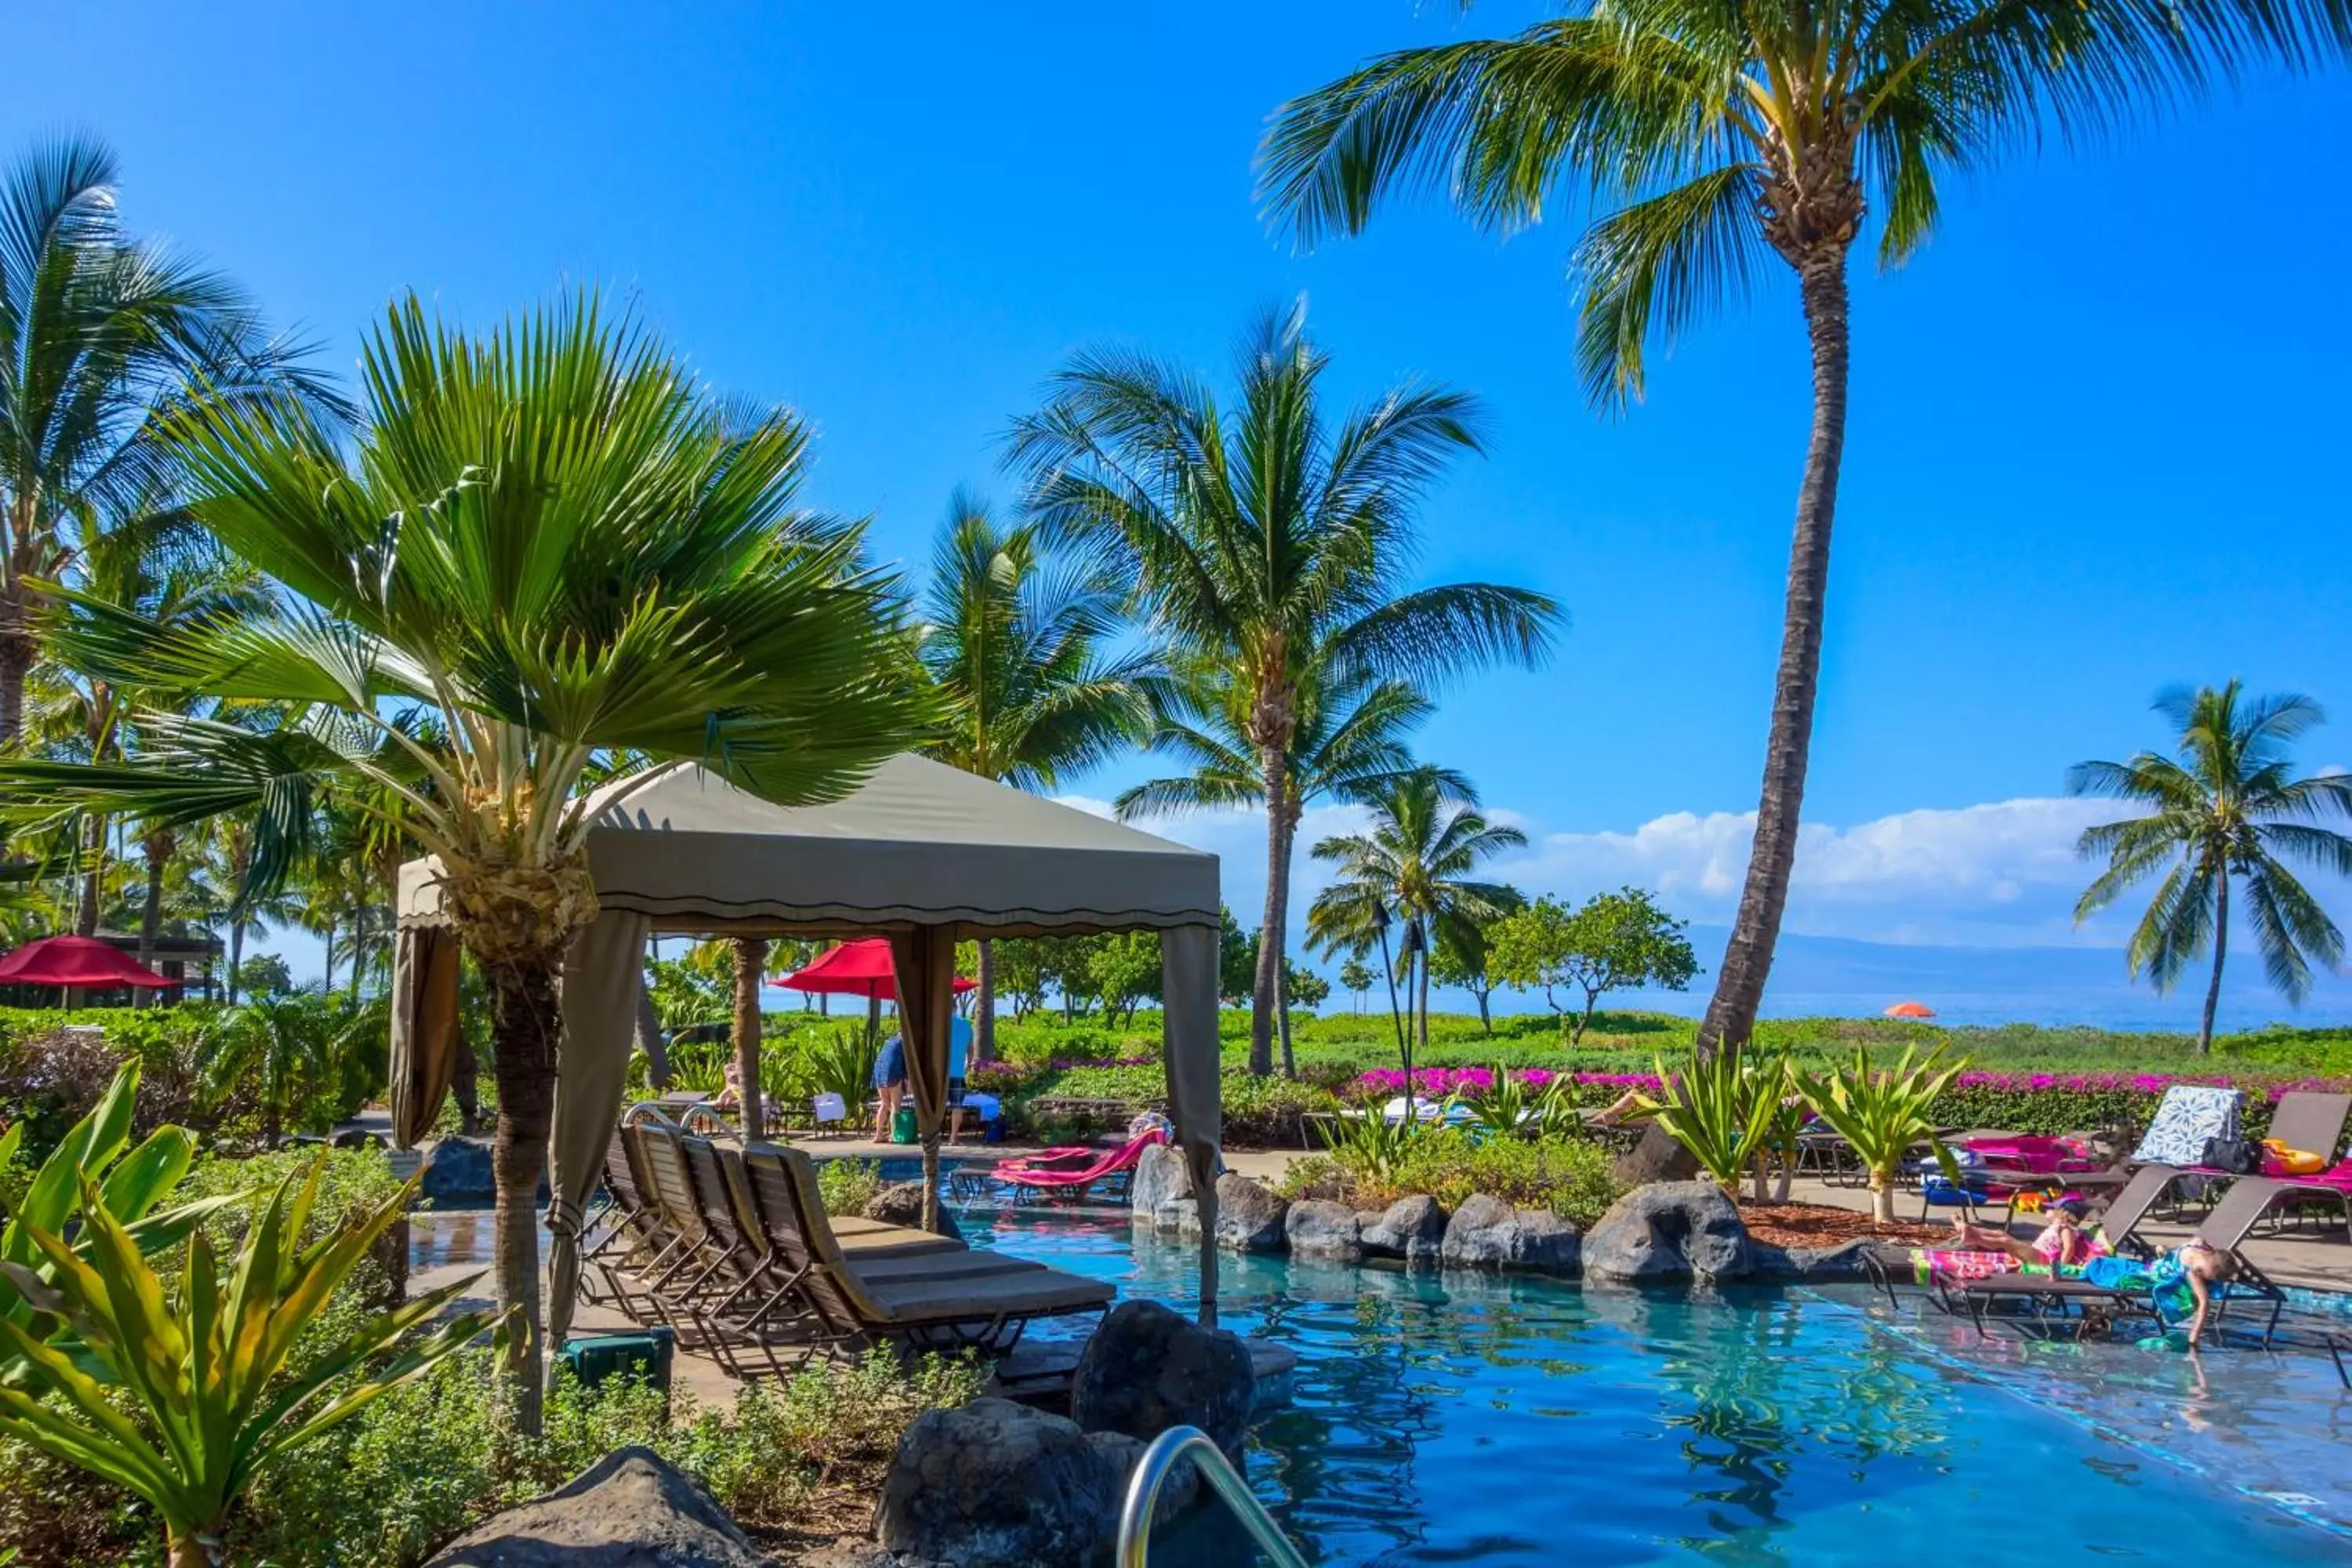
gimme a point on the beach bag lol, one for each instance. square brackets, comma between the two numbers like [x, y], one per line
[2281, 1160]
[2234, 1155]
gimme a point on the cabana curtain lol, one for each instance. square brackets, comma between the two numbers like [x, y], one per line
[923, 853]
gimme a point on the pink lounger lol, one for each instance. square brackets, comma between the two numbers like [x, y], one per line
[1074, 1169]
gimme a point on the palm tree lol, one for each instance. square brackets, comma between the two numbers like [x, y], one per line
[1014, 640]
[1345, 744]
[1426, 838]
[1270, 541]
[565, 549]
[226, 844]
[2226, 810]
[99, 335]
[1706, 140]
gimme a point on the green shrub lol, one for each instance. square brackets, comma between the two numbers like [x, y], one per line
[1569, 1176]
[847, 1186]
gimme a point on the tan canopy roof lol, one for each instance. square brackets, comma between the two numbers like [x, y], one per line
[918, 844]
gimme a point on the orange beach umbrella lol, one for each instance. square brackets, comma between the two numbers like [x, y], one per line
[1910, 1010]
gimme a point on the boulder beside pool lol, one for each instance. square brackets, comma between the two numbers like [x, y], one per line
[1411, 1228]
[1316, 1227]
[1148, 1368]
[458, 1174]
[1669, 1230]
[998, 1485]
[901, 1202]
[1487, 1232]
[630, 1510]
[1249, 1217]
[1162, 1178]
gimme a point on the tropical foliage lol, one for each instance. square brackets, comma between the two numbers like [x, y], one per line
[220, 1383]
[1884, 1113]
[2227, 811]
[1268, 545]
[1613, 941]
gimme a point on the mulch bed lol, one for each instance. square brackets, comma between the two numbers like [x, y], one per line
[1825, 1224]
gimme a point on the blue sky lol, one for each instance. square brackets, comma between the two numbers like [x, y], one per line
[2087, 456]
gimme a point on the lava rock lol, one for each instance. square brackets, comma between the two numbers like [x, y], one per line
[1162, 1175]
[1148, 1369]
[998, 1485]
[1249, 1217]
[901, 1202]
[630, 1510]
[1670, 1230]
[1315, 1228]
[1123, 1453]
[1849, 1261]
[458, 1174]
[1411, 1228]
[1487, 1232]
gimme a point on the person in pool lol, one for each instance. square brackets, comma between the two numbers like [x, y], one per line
[2063, 1243]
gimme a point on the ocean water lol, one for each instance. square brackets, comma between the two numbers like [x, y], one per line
[1458, 1419]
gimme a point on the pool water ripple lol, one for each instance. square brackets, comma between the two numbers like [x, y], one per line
[1463, 1419]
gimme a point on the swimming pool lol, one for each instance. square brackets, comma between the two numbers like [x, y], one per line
[1465, 1419]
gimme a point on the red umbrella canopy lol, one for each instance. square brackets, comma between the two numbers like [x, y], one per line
[1910, 1010]
[79, 961]
[855, 969]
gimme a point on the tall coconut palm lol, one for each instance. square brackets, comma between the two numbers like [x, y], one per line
[1704, 140]
[99, 335]
[1427, 837]
[1273, 540]
[2226, 811]
[1347, 745]
[561, 547]
[1017, 642]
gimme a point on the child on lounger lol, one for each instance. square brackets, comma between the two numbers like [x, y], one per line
[2063, 1243]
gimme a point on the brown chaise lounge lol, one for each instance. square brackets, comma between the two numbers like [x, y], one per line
[875, 1295]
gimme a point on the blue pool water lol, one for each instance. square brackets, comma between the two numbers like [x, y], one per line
[1459, 1419]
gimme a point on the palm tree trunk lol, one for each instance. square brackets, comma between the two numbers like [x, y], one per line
[465, 1085]
[526, 1028]
[1755, 930]
[1424, 1004]
[190, 1548]
[650, 1041]
[750, 960]
[236, 956]
[158, 847]
[93, 847]
[983, 1007]
[1266, 995]
[17, 653]
[2221, 952]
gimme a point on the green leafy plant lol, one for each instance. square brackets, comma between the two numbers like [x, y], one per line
[847, 1186]
[1511, 1108]
[186, 1396]
[1777, 1111]
[1884, 1113]
[841, 1061]
[1370, 1146]
[130, 1182]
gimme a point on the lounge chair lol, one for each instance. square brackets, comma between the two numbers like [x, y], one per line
[2225, 1229]
[951, 1300]
[1075, 1170]
[2304, 1118]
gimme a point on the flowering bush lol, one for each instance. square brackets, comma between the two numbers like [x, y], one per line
[2044, 1102]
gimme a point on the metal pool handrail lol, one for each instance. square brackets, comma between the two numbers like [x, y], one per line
[1151, 1473]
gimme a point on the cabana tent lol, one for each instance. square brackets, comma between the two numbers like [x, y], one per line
[925, 854]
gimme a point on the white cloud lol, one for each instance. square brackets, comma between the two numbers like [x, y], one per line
[2001, 873]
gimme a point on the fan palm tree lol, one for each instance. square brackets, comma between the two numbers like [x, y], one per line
[2227, 810]
[561, 549]
[1271, 540]
[1015, 642]
[1426, 838]
[99, 337]
[1704, 140]
[1347, 745]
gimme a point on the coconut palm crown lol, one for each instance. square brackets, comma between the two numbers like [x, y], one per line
[564, 554]
[1273, 539]
[2228, 810]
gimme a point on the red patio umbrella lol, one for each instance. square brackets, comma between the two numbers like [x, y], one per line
[83, 962]
[1910, 1010]
[855, 969]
